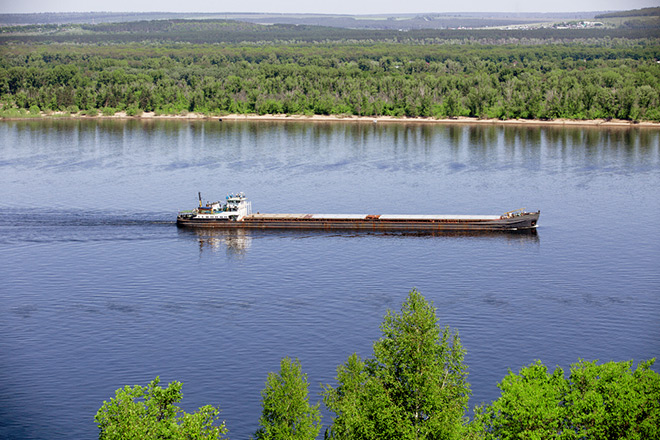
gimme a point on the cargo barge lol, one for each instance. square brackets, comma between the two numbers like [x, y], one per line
[236, 213]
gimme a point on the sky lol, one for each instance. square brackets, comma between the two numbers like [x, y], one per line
[326, 7]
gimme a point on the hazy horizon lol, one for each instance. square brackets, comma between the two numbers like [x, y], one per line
[337, 7]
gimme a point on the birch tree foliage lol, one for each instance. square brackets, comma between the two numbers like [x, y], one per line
[287, 413]
[414, 387]
[596, 401]
[142, 413]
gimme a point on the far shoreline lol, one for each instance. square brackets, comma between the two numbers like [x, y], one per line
[150, 116]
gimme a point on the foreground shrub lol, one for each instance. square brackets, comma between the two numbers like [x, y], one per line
[150, 413]
[605, 401]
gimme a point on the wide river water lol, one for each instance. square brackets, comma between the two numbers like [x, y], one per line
[99, 289]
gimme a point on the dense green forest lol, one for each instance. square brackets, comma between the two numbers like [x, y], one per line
[414, 387]
[534, 82]
[219, 67]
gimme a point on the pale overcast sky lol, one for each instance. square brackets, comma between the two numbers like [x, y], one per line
[327, 7]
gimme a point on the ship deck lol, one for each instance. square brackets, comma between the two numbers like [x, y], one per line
[358, 217]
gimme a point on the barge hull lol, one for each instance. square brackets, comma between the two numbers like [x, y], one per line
[522, 222]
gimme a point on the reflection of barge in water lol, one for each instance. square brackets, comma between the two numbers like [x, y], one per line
[237, 213]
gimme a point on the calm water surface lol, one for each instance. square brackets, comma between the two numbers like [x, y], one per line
[100, 289]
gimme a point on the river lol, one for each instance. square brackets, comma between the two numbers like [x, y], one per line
[99, 289]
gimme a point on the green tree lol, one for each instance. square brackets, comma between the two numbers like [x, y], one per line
[150, 413]
[612, 401]
[287, 413]
[414, 387]
[596, 402]
[453, 105]
[529, 407]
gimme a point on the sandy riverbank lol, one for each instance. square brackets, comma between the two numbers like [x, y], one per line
[367, 119]
[460, 120]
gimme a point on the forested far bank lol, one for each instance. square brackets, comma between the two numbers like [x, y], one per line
[600, 81]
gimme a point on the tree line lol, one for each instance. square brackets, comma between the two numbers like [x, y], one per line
[414, 386]
[610, 80]
[214, 31]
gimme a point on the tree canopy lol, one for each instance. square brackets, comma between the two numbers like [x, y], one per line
[602, 79]
[287, 414]
[143, 413]
[415, 386]
[596, 401]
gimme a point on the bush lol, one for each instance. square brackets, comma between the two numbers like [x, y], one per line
[12, 112]
[150, 412]
[133, 111]
[108, 111]
[596, 402]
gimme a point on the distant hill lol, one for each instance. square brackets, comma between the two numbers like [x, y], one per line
[376, 21]
[645, 12]
[646, 18]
